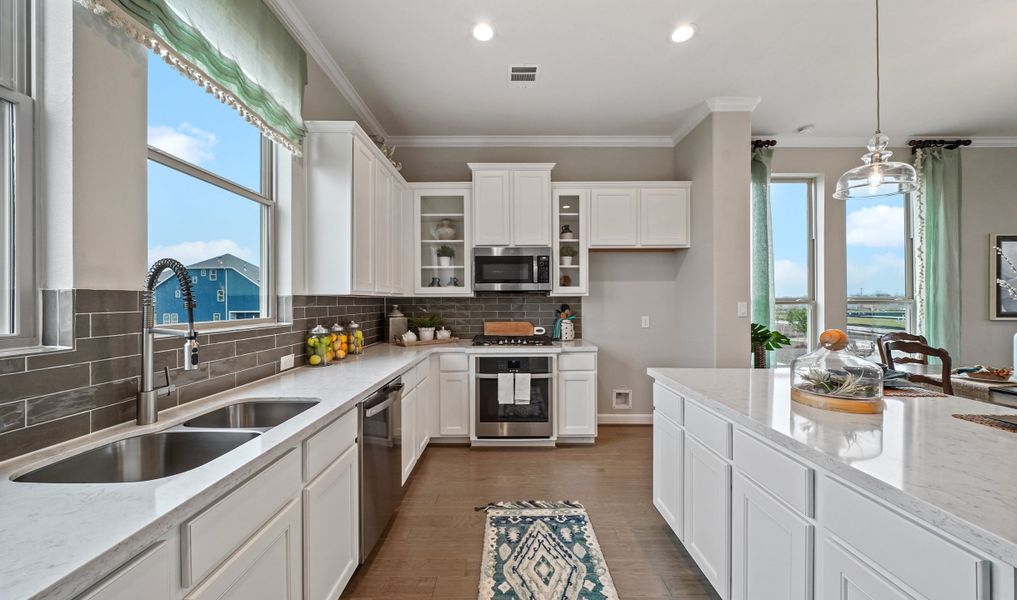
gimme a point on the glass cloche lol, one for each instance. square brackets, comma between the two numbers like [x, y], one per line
[832, 377]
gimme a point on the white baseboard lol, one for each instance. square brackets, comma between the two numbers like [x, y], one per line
[616, 419]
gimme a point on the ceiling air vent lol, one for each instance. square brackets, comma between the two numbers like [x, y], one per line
[523, 75]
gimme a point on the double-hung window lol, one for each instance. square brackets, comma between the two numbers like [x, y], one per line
[793, 232]
[18, 291]
[209, 199]
[879, 270]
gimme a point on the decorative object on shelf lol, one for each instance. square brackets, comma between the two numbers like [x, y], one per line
[388, 151]
[408, 337]
[426, 333]
[425, 325]
[445, 230]
[565, 281]
[1003, 296]
[435, 282]
[442, 334]
[356, 338]
[567, 233]
[832, 378]
[564, 328]
[415, 342]
[453, 282]
[340, 341]
[567, 251]
[445, 255]
[878, 176]
[764, 340]
[319, 347]
[397, 323]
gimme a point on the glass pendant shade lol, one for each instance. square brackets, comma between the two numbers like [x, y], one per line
[878, 176]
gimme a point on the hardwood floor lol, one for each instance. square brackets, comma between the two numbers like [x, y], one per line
[433, 548]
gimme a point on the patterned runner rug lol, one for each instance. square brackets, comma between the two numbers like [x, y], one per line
[539, 550]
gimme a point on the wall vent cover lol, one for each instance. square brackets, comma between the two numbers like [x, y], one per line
[523, 75]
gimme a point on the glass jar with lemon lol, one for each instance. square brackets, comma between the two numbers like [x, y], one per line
[356, 337]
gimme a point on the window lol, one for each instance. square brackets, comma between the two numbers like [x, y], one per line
[209, 195]
[176, 293]
[18, 291]
[879, 270]
[170, 318]
[792, 212]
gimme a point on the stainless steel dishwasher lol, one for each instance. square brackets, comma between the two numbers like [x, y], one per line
[380, 442]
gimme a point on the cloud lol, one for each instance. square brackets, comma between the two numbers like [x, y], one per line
[185, 142]
[192, 252]
[879, 226]
[879, 273]
[789, 278]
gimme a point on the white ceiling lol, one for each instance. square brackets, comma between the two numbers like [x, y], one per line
[609, 67]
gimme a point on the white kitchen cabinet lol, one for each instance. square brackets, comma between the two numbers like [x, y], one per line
[664, 217]
[147, 575]
[364, 197]
[773, 556]
[512, 204]
[844, 576]
[668, 465]
[423, 406]
[571, 211]
[408, 433]
[266, 567]
[442, 216]
[635, 215]
[399, 228]
[382, 229]
[492, 208]
[614, 217]
[577, 403]
[454, 404]
[332, 528]
[707, 506]
[531, 207]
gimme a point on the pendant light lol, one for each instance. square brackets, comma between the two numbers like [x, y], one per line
[878, 176]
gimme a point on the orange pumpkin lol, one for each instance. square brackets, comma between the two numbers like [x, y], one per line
[833, 339]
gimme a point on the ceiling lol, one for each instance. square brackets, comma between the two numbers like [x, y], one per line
[610, 69]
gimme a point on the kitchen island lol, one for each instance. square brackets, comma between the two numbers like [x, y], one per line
[776, 499]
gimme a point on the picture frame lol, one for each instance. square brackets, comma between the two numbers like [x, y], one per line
[1002, 306]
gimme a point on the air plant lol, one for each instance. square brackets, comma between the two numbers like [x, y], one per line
[1006, 285]
[831, 384]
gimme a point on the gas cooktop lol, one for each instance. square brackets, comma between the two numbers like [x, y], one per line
[512, 340]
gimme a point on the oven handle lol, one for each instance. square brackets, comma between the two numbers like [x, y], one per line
[377, 408]
[532, 376]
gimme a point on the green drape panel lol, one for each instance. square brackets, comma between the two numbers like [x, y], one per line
[941, 190]
[236, 49]
[762, 239]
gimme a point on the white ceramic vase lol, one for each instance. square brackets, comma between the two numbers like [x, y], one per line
[445, 230]
[566, 260]
[444, 261]
[568, 331]
[426, 334]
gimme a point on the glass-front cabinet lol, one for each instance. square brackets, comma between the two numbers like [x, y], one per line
[442, 254]
[571, 241]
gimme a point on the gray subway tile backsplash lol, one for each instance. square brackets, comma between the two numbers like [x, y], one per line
[466, 316]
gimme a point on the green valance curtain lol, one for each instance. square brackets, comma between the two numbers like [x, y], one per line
[938, 216]
[762, 239]
[236, 49]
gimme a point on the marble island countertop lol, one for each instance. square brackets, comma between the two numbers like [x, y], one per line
[956, 475]
[58, 539]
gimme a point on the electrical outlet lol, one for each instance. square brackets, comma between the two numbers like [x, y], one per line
[645, 321]
[743, 309]
[286, 362]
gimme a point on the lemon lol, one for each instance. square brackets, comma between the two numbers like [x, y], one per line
[314, 360]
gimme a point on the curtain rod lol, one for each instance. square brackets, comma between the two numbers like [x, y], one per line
[948, 144]
[757, 144]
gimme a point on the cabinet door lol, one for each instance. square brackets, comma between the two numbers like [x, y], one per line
[423, 434]
[668, 464]
[454, 404]
[145, 576]
[844, 576]
[363, 220]
[531, 208]
[492, 212]
[408, 433]
[382, 229]
[708, 513]
[267, 567]
[577, 403]
[332, 528]
[614, 217]
[399, 234]
[664, 217]
[772, 553]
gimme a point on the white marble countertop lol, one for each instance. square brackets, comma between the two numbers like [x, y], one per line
[58, 539]
[957, 475]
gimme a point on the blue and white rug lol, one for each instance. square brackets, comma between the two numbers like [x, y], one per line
[537, 550]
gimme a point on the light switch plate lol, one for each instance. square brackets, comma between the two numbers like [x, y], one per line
[743, 309]
[645, 321]
[286, 362]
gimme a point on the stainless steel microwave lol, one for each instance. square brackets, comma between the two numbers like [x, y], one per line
[512, 269]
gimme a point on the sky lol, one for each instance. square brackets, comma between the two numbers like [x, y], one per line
[189, 219]
[875, 243]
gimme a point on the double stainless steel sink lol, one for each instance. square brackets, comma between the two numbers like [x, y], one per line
[162, 454]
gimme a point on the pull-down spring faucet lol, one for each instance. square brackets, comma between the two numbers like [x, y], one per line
[148, 395]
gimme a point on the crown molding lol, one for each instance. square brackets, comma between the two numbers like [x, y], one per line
[298, 26]
[806, 141]
[711, 105]
[529, 141]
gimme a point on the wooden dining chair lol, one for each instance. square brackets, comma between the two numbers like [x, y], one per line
[907, 337]
[912, 347]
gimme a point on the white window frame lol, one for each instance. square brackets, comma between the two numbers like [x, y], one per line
[176, 293]
[23, 301]
[216, 317]
[213, 275]
[809, 300]
[220, 295]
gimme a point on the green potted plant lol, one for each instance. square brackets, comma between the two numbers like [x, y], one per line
[764, 340]
[425, 325]
[445, 255]
[566, 252]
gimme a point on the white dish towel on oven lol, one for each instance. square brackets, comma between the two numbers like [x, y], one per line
[522, 395]
[505, 388]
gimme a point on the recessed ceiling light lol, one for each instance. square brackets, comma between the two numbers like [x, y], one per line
[483, 32]
[683, 33]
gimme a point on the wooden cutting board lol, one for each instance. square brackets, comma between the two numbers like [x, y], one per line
[508, 328]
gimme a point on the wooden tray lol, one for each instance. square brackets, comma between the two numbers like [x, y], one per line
[868, 407]
[508, 328]
[405, 344]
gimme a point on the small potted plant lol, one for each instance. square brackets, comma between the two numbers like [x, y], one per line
[567, 252]
[425, 325]
[763, 340]
[445, 255]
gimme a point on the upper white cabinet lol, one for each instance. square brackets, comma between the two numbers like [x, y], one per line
[441, 225]
[614, 217]
[355, 221]
[512, 204]
[640, 215]
[664, 217]
[571, 250]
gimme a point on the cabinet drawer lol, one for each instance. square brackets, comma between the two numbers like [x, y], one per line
[779, 474]
[328, 444]
[146, 575]
[708, 428]
[668, 403]
[935, 567]
[409, 378]
[577, 361]
[423, 370]
[453, 362]
[213, 535]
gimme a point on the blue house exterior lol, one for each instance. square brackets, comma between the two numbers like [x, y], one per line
[224, 287]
